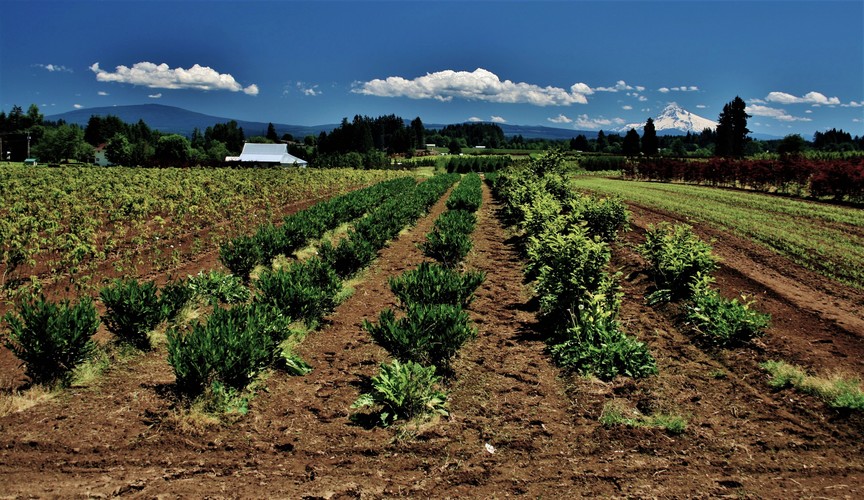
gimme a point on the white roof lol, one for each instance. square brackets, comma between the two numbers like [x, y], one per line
[269, 153]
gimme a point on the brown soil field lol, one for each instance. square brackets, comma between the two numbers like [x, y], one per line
[517, 425]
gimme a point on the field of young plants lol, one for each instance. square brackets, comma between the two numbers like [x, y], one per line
[530, 334]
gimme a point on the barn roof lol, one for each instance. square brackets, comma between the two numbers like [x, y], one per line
[269, 153]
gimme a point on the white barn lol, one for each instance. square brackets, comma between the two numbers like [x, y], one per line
[270, 155]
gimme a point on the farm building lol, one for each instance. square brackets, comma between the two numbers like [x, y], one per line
[269, 155]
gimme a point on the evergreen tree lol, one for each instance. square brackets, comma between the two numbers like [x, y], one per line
[580, 143]
[649, 139]
[732, 129]
[630, 146]
[602, 142]
[272, 136]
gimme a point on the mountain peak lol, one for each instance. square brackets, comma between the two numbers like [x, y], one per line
[673, 119]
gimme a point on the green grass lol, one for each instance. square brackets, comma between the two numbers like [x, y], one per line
[837, 391]
[822, 237]
[615, 414]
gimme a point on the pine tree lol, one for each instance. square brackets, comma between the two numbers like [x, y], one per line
[649, 139]
[732, 129]
[630, 146]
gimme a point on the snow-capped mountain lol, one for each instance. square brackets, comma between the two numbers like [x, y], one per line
[675, 119]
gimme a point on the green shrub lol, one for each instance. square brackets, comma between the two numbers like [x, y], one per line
[132, 310]
[404, 391]
[428, 334]
[447, 247]
[231, 347]
[468, 195]
[51, 339]
[603, 217]
[569, 266]
[724, 322]
[352, 254]
[302, 291]
[596, 345]
[226, 288]
[614, 414]
[436, 284]
[241, 255]
[676, 256]
[456, 221]
[173, 297]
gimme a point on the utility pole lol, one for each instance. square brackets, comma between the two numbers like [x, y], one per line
[28, 145]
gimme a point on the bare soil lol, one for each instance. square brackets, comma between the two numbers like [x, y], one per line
[517, 425]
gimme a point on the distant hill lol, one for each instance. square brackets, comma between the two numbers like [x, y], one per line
[182, 121]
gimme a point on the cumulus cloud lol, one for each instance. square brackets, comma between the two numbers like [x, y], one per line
[480, 85]
[777, 114]
[627, 107]
[155, 96]
[814, 98]
[475, 119]
[102, 93]
[853, 104]
[497, 119]
[560, 119]
[701, 106]
[682, 88]
[585, 122]
[160, 76]
[77, 106]
[53, 68]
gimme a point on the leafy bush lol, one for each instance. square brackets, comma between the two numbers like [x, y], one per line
[352, 254]
[404, 391]
[676, 256]
[447, 247]
[467, 195]
[51, 339]
[230, 348]
[435, 284]
[132, 310]
[569, 266]
[596, 345]
[722, 321]
[173, 297]
[302, 291]
[428, 334]
[217, 285]
[603, 217]
[241, 255]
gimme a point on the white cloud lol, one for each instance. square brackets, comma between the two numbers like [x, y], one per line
[481, 85]
[53, 68]
[102, 93]
[162, 77]
[560, 119]
[701, 106]
[777, 114]
[619, 86]
[155, 96]
[642, 98]
[814, 98]
[853, 104]
[77, 106]
[584, 122]
[663, 90]
[682, 88]
[498, 119]
[475, 119]
[628, 107]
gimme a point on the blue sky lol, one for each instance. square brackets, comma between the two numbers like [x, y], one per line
[799, 65]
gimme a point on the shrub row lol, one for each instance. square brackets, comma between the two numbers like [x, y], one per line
[434, 325]
[841, 179]
[681, 264]
[450, 239]
[472, 163]
[243, 253]
[566, 240]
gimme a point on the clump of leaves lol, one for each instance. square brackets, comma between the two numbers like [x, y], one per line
[132, 311]
[615, 414]
[241, 255]
[352, 254]
[677, 255]
[595, 344]
[723, 322]
[427, 334]
[51, 339]
[302, 291]
[435, 284]
[403, 392]
[225, 288]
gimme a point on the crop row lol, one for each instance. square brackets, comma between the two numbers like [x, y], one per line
[841, 179]
[566, 239]
[434, 325]
[59, 221]
[241, 336]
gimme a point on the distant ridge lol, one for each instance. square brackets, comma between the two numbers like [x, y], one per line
[176, 120]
